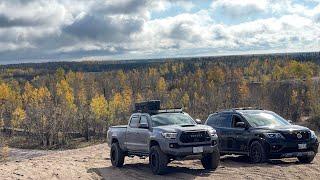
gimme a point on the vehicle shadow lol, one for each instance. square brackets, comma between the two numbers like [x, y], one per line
[183, 170]
[235, 161]
[142, 171]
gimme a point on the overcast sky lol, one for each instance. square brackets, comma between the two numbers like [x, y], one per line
[55, 30]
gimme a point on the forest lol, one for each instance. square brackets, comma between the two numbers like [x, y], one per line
[50, 104]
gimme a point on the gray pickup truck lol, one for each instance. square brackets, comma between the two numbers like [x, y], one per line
[163, 136]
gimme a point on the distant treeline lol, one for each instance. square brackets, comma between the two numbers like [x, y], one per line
[29, 70]
[52, 101]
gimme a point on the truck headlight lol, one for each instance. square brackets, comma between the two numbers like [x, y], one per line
[274, 135]
[212, 132]
[169, 135]
[313, 135]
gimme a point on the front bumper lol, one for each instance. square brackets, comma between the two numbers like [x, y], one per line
[286, 149]
[178, 149]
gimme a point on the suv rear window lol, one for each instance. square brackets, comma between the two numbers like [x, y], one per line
[220, 120]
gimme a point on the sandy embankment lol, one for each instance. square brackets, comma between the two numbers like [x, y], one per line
[93, 163]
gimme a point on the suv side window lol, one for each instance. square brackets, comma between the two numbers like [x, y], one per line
[134, 122]
[220, 120]
[143, 120]
[236, 118]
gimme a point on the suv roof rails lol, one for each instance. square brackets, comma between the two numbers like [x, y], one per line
[247, 108]
[240, 108]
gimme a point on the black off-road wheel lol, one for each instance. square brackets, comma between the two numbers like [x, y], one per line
[116, 155]
[257, 152]
[158, 160]
[211, 161]
[306, 159]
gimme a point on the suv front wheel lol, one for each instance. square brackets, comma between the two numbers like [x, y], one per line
[257, 152]
[158, 160]
[306, 159]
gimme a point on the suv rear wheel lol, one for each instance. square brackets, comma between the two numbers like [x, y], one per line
[306, 159]
[116, 155]
[257, 152]
[210, 161]
[158, 160]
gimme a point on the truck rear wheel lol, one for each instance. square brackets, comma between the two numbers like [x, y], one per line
[306, 159]
[116, 155]
[210, 161]
[158, 160]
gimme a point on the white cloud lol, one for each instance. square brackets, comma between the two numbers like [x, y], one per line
[236, 8]
[124, 28]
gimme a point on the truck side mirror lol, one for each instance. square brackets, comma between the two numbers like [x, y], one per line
[144, 126]
[240, 125]
[198, 121]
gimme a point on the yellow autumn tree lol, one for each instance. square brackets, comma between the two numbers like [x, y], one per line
[127, 97]
[99, 107]
[66, 93]
[185, 100]
[18, 116]
[161, 85]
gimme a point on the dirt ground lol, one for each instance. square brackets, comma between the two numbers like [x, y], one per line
[93, 163]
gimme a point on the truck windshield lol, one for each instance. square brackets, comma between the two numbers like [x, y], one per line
[259, 118]
[171, 119]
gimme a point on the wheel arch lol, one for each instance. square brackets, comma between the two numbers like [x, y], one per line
[153, 142]
[114, 140]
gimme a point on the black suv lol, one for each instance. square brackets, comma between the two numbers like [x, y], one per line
[262, 135]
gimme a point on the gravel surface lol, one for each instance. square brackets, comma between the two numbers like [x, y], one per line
[94, 163]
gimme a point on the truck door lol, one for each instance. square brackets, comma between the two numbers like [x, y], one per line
[143, 135]
[132, 133]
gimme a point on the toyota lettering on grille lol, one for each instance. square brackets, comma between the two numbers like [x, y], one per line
[195, 135]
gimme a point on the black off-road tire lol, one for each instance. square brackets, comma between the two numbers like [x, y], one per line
[116, 155]
[306, 159]
[257, 153]
[211, 161]
[158, 160]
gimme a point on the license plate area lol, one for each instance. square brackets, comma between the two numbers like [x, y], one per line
[197, 149]
[302, 146]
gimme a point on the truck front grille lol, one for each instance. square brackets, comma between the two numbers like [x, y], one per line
[194, 136]
[297, 135]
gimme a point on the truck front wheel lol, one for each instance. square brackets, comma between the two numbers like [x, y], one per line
[158, 160]
[210, 161]
[116, 155]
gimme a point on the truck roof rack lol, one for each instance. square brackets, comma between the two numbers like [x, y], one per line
[153, 107]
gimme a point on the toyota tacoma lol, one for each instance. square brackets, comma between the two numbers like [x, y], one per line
[163, 135]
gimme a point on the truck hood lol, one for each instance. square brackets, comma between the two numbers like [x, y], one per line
[287, 128]
[179, 128]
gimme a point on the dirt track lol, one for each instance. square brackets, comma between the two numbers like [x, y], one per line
[93, 163]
